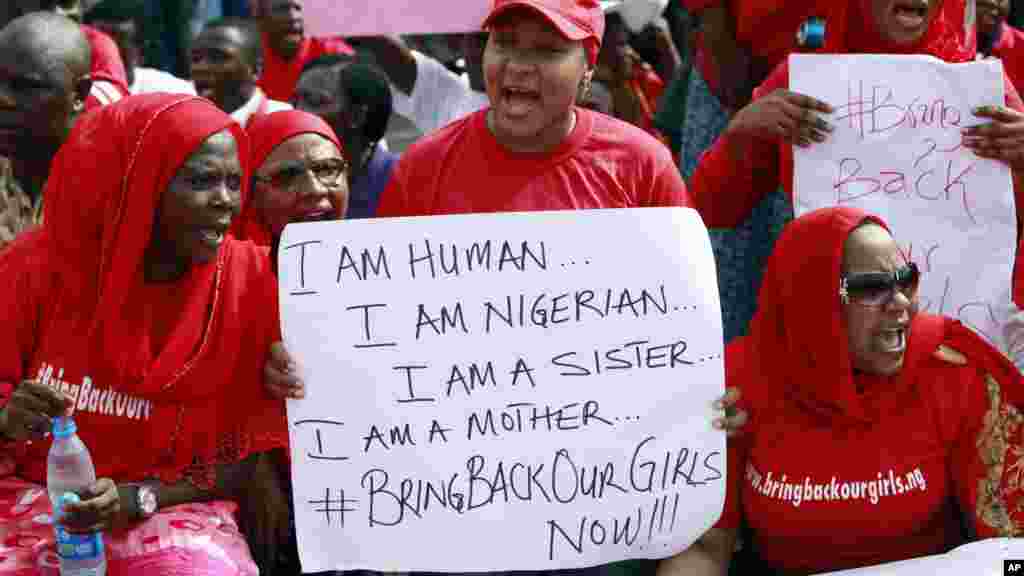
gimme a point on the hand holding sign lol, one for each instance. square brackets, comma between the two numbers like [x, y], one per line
[784, 114]
[1002, 139]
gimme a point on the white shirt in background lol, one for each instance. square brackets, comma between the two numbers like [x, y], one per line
[152, 80]
[438, 98]
[258, 104]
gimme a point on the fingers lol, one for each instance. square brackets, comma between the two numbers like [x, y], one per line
[96, 512]
[281, 384]
[54, 403]
[734, 424]
[998, 113]
[729, 399]
[806, 102]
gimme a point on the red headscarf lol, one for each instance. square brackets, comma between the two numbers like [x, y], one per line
[795, 368]
[266, 133]
[850, 29]
[103, 193]
[799, 317]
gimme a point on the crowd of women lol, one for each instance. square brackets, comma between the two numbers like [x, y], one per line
[866, 432]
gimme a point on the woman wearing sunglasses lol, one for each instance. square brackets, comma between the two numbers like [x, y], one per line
[300, 174]
[876, 433]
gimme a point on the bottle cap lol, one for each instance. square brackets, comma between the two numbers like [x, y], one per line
[811, 34]
[65, 499]
[64, 427]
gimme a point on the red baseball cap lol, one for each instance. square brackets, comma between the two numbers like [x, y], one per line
[574, 19]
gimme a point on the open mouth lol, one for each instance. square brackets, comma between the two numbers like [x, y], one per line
[204, 87]
[519, 101]
[910, 14]
[317, 216]
[893, 339]
[213, 236]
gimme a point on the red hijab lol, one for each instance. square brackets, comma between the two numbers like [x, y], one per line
[266, 133]
[850, 29]
[799, 318]
[794, 365]
[104, 190]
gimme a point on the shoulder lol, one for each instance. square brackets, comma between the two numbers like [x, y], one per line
[440, 143]
[779, 78]
[331, 45]
[609, 134]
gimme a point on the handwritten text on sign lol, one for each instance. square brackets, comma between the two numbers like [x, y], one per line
[896, 152]
[503, 392]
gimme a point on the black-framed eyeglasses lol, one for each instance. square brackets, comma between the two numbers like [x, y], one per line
[877, 289]
[330, 172]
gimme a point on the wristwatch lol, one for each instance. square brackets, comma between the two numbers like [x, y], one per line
[146, 502]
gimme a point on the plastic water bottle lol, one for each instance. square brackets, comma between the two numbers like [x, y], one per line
[70, 470]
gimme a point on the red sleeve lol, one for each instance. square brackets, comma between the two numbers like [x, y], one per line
[699, 5]
[738, 446]
[979, 406]
[1013, 100]
[21, 264]
[737, 171]
[669, 189]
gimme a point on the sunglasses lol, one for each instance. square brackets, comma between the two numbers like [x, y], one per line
[877, 289]
[330, 172]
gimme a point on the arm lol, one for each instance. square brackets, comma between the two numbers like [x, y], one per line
[708, 556]
[668, 53]
[723, 186]
[743, 165]
[394, 57]
[731, 59]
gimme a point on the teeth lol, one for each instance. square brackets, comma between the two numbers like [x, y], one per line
[893, 340]
[213, 235]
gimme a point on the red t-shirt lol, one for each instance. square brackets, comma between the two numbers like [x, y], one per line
[280, 76]
[110, 82]
[603, 163]
[823, 496]
[1010, 49]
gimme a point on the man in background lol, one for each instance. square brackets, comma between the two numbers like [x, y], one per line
[226, 63]
[286, 48]
[44, 85]
[109, 80]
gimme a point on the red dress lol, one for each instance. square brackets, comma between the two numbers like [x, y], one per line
[839, 469]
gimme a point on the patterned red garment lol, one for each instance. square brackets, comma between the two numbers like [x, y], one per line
[839, 469]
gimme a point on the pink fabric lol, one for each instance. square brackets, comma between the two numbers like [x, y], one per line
[194, 539]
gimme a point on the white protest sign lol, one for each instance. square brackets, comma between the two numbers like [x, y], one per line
[896, 152]
[981, 558]
[503, 391]
[391, 17]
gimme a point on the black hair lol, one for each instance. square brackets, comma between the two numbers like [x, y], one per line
[115, 11]
[362, 84]
[252, 45]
